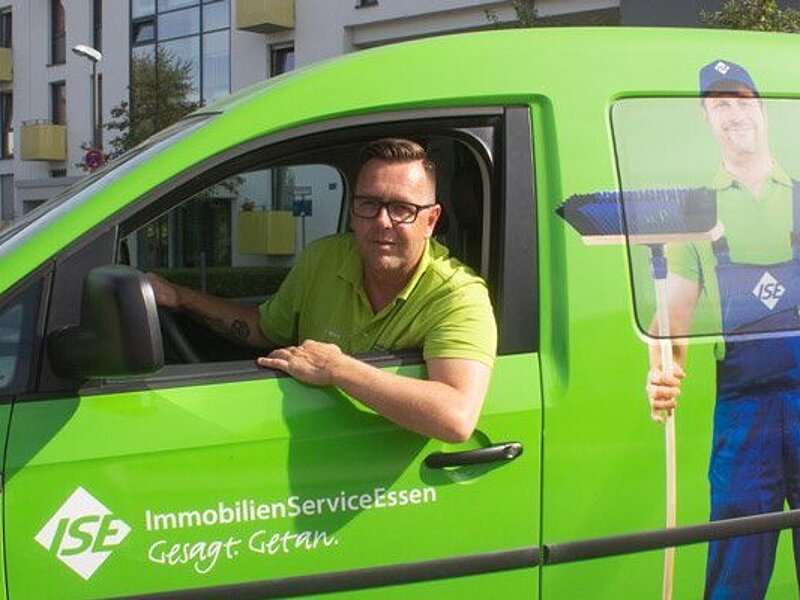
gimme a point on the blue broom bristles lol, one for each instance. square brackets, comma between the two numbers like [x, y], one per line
[642, 212]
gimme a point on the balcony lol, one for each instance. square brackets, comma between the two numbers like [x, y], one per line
[6, 65]
[269, 232]
[41, 140]
[264, 16]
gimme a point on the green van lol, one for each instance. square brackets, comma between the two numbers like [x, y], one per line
[142, 456]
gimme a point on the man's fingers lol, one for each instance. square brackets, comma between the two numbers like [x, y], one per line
[272, 362]
[283, 354]
[657, 377]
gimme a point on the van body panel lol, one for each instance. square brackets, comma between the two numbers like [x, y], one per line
[221, 479]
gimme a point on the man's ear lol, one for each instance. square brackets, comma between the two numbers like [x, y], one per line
[434, 212]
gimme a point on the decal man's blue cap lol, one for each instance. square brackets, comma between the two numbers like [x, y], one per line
[724, 76]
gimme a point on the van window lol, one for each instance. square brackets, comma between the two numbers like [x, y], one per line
[673, 150]
[238, 237]
[17, 328]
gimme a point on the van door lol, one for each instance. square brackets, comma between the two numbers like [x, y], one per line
[228, 479]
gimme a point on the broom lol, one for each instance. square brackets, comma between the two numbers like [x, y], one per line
[653, 218]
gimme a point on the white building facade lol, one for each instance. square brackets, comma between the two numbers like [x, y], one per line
[47, 90]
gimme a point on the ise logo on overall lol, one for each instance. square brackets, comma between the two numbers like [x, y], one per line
[83, 533]
[769, 290]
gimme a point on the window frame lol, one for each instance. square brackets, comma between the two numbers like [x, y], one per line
[58, 36]
[512, 228]
[7, 124]
[41, 279]
[6, 28]
[56, 101]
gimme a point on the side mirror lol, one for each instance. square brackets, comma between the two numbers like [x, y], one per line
[119, 331]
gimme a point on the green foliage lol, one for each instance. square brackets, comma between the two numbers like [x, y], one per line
[161, 85]
[755, 15]
[526, 13]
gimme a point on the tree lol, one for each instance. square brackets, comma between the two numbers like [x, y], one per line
[755, 15]
[526, 14]
[160, 92]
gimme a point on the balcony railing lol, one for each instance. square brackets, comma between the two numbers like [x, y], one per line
[265, 16]
[41, 140]
[6, 65]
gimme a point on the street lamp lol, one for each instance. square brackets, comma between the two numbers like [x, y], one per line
[95, 57]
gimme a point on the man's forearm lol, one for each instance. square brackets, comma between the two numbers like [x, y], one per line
[445, 406]
[432, 408]
[226, 317]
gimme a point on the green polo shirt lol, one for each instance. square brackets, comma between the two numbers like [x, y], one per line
[444, 309]
[757, 231]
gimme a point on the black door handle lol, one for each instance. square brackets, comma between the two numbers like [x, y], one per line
[504, 452]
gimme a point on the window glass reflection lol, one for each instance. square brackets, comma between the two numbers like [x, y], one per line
[165, 5]
[186, 51]
[216, 16]
[179, 23]
[144, 31]
[216, 65]
[143, 8]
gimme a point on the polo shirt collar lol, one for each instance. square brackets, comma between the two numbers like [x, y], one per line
[424, 262]
[724, 180]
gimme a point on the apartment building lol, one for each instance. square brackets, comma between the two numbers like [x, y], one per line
[56, 92]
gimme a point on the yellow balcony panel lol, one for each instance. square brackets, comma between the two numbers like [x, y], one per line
[6, 65]
[43, 141]
[269, 232]
[265, 16]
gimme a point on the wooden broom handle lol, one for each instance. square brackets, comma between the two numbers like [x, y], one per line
[665, 344]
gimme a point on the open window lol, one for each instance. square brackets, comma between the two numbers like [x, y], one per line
[236, 230]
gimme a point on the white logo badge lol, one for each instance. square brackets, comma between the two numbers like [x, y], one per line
[82, 533]
[769, 290]
[722, 68]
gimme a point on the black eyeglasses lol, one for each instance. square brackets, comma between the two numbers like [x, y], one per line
[399, 212]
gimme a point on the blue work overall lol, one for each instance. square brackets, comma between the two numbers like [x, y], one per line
[755, 458]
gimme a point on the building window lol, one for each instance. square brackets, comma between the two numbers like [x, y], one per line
[98, 127]
[58, 33]
[58, 103]
[184, 39]
[7, 130]
[366, 3]
[5, 28]
[7, 211]
[97, 25]
[281, 60]
[142, 8]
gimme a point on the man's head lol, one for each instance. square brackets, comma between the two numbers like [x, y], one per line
[394, 210]
[734, 110]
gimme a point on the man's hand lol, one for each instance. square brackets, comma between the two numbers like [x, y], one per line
[444, 406]
[167, 293]
[663, 391]
[239, 322]
[310, 362]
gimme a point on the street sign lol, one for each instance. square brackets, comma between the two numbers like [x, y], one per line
[93, 159]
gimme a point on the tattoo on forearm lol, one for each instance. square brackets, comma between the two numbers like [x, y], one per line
[240, 330]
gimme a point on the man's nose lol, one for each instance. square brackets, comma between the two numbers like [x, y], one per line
[382, 218]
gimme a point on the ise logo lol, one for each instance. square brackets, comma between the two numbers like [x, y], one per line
[769, 290]
[82, 533]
